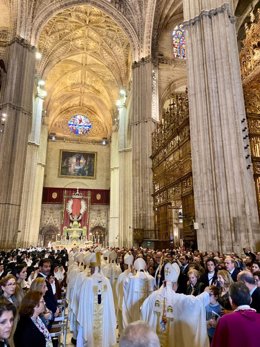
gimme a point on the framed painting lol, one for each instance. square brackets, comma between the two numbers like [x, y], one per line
[77, 164]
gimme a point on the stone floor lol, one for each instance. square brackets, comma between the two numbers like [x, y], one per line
[68, 340]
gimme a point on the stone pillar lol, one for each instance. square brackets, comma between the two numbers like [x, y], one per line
[17, 104]
[34, 173]
[141, 128]
[38, 189]
[125, 175]
[114, 191]
[225, 198]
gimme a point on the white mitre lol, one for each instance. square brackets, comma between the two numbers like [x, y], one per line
[112, 256]
[106, 253]
[139, 264]
[128, 259]
[80, 257]
[86, 259]
[171, 272]
[95, 257]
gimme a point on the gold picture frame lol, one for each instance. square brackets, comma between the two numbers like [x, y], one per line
[77, 164]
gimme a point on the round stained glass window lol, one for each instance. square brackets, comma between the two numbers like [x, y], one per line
[79, 124]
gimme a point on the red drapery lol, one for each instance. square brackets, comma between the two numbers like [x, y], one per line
[73, 202]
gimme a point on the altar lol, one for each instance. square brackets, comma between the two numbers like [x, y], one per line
[76, 218]
[75, 232]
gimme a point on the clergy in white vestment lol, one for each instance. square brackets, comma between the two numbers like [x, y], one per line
[112, 271]
[96, 313]
[105, 257]
[75, 296]
[128, 260]
[178, 319]
[136, 289]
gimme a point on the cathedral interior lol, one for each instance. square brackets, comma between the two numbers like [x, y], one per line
[143, 113]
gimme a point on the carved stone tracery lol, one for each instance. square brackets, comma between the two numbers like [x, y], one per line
[95, 65]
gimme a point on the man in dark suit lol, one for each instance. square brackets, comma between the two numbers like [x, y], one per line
[49, 298]
[248, 278]
[183, 278]
[230, 265]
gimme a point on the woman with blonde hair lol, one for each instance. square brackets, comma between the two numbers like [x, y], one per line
[195, 287]
[224, 282]
[39, 285]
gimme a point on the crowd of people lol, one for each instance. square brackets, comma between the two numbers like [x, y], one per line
[31, 284]
[186, 298]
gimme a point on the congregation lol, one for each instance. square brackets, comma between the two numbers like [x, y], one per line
[185, 297]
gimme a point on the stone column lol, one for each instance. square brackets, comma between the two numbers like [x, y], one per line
[38, 189]
[17, 104]
[114, 191]
[125, 176]
[34, 173]
[225, 198]
[141, 128]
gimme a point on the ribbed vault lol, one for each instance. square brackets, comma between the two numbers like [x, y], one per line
[86, 59]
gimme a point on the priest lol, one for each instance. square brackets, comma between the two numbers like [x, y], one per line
[136, 289]
[178, 319]
[128, 261]
[96, 313]
[112, 271]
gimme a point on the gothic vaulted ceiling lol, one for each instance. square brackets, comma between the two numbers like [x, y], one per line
[85, 61]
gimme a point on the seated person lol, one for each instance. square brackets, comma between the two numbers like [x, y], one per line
[8, 289]
[31, 331]
[7, 315]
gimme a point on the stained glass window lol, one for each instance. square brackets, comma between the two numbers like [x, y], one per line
[79, 124]
[179, 43]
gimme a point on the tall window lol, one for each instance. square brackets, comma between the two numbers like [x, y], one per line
[179, 43]
[79, 124]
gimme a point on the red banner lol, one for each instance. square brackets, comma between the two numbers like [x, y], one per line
[76, 208]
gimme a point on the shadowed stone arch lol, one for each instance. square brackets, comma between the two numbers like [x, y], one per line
[48, 233]
[52, 9]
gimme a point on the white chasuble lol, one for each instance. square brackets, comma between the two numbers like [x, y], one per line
[74, 300]
[112, 272]
[178, 319]
[96, 313]
[120, 295]
[136, 290]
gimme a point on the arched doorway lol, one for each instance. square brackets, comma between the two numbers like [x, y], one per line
[99, 235]
[48, 235]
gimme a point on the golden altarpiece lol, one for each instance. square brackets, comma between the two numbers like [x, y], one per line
[250, 71]
[172, 174]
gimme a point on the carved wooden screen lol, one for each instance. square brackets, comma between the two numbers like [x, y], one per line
[172, 173]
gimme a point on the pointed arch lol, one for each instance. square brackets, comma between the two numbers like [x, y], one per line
[52, 9]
